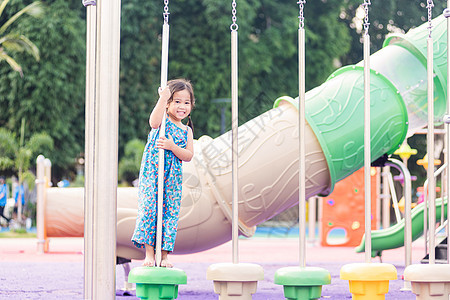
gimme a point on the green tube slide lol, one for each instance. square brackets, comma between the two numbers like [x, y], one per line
[398, 100]
[394, 237]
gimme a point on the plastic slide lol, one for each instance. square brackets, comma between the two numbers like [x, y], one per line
[268, 149]
[394, 237]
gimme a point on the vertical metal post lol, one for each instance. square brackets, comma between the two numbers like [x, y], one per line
[101, 164]
[408, 226]
[367, 152]
[386, 198]
[447, 129]
[430, 150]
[378, 197]
[48, 184]
[162, 132]
[234, 143]
[40, 208]
[302, 150]
[312, 219]
[91, 37]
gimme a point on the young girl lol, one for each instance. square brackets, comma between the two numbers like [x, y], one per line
[176, 101]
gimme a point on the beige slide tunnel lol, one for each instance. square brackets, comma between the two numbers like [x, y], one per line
[268, 185]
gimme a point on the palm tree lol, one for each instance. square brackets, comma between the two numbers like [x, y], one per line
[13, 41]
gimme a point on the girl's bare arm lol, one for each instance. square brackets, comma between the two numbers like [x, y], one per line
[160, 108]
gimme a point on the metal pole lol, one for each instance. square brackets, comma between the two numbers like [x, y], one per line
[430, 150]
[302, 150]
[105, 152]
[312, 219]
[398, 216]
[48, 184]
[234, 142]
[386, 198]
[378, 198]
[91, 37]
[40, 208]
[407, 193]
[162, 132]
[447, 131]
[367, 152]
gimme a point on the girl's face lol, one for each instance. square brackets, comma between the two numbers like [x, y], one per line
[180, 107]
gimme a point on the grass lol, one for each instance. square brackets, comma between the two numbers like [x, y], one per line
[19, 233]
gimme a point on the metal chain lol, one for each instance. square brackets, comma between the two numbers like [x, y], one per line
[233, 26]
[366, 5]
[301, 18]
[166, 11]
[430, 6]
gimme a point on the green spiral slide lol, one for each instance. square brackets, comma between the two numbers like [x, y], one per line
[394, 237]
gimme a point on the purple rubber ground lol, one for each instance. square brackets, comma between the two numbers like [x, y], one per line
[47, 280]
[24, 274]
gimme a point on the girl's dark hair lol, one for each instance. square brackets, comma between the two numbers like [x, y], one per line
[177, 85]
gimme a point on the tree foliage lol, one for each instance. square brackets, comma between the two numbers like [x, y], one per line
[200, 51]
[13, 41]
[131, 161]
[17, 154]
[50, 96]
[386, 17]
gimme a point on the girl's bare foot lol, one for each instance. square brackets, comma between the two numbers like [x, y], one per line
[165, 263]
[149, 260]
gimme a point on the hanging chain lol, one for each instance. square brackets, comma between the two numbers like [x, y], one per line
[366, 5]
[430, 6]
[166, 11]
[234, 26]
[301, 18]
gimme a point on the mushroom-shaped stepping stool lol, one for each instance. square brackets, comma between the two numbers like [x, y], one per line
[155, 283]
[233, 281]
[368, 280]
[301, 283]
[429, 281]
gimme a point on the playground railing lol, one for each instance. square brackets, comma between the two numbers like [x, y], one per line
[425, 212]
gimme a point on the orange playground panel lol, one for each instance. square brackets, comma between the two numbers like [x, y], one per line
[343, 211]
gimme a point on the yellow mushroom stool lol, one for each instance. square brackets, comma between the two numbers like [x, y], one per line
[429, 281]
[368, 280]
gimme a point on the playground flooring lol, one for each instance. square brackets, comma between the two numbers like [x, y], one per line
[58, 274]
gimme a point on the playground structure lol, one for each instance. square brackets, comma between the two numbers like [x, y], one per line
[333, 150]
[343, 210]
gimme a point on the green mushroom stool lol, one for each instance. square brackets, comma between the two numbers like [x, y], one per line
[156, 283]
[302, 283]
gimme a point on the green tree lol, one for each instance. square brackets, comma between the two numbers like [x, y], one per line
[16, 156]
[17, 153]
[130, 163]
[50, 96]
[13, 41]
[200, 51]
[385, 17]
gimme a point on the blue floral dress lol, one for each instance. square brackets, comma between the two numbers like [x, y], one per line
[145, 231]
